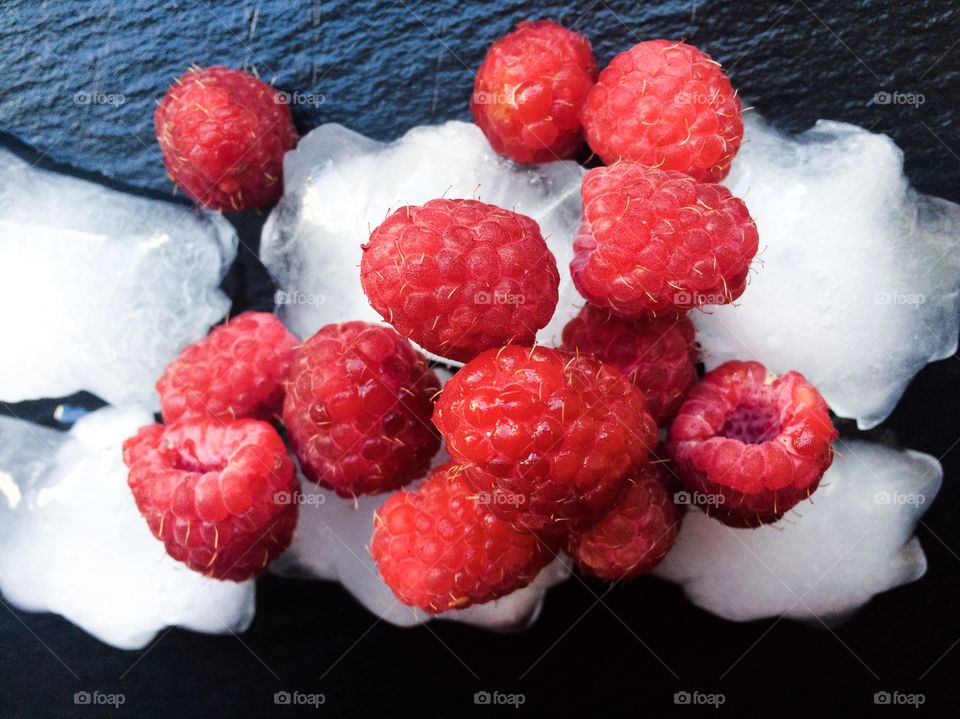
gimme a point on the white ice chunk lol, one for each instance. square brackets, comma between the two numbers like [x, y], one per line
[332, 542]
[72, 541]
[339, 185]
[824, 559]
[859, 285]
[101, 289]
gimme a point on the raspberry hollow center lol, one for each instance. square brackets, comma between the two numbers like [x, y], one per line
[752, 424]
[190, 463]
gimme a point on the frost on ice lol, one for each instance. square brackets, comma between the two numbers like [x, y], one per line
[72, 541]
[825, 558]
[859, 284]
[332, 542]
[339, 185]
[102, 288]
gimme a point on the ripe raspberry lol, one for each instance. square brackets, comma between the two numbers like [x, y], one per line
[357, 410]
[635, 534]
[223, 134]
[652, 241]
[667, 105]
[755, 443]
[658, 354]
[216, 493]
[459, 276]
[529, 90]
[546, 436]
[236, 371]
[438, 549]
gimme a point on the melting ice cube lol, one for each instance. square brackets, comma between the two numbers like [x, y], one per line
[826, 557]
[859, 285]
[101, 288]
[73, 542]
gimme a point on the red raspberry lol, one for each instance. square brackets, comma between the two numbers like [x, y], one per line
[667, 105]
[459, 276]
[529, 90]
[635, 534]
[223, 134]
[658, 354]
[753, 443]
[438, 549]
[653, 241]
[358, 406]
[546, 436]
[236, 371]
[216, 493]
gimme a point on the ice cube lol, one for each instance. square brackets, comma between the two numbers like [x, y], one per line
[101, 288]
[339, 185]
[859, 285]
[826, 557]
[73, 542]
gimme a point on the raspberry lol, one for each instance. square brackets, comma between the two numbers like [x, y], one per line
[529, 90]
[667, 105]
[438, 549]
[658, 354]
[460, 276]
[223, 134]
[236, 371]
[635, 534]
[357, 410]
[546, 436]
[755, 443]
[216, 493]
[652, 241]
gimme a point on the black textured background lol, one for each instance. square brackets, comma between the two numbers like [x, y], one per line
[382, 67]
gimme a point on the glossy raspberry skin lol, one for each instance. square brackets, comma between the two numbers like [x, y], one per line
[546, 436]
[652, 242]
[666, 105]
[760, 442]
[357, 410]
[528, 92]
[215, 493]
[236, 371]
[637, 531]
[460, 276]
[223, 134]
[438, 549]
[658, 354]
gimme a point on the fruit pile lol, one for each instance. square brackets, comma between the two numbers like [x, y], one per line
[582, 448]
